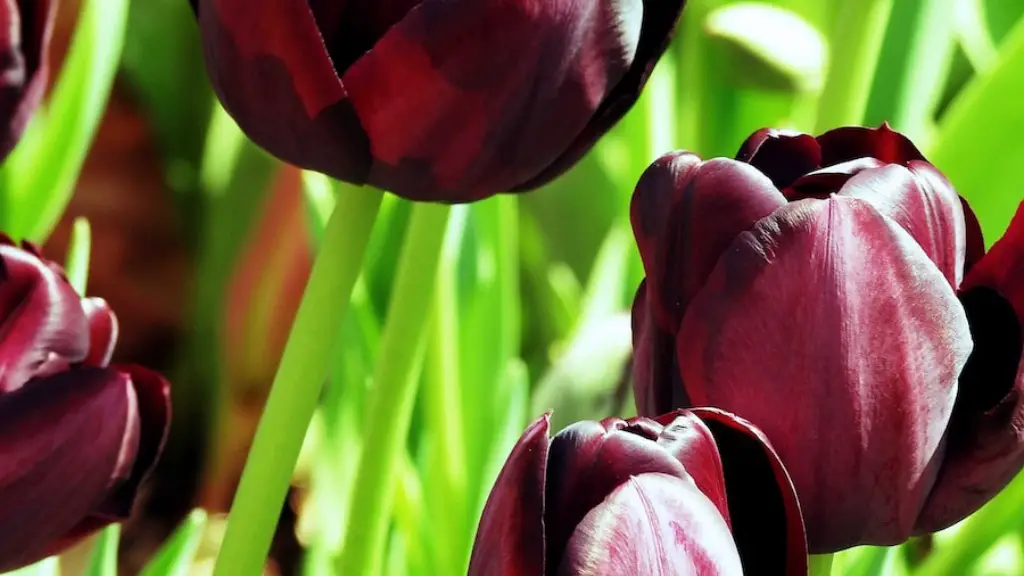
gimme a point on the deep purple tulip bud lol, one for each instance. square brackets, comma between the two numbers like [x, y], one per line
[77, 436]
[25, 27]
[831, 291]
[441, 100]
[692, 492]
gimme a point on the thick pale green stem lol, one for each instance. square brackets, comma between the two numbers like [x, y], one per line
[296, 387]
[927, 64]
[393, 395]
[819, 565]
[858, 31]
[443, 403]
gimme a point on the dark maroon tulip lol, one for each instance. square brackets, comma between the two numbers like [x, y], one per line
[77, 436]
[25, 27]
[691, 492]
[441, 100]
[831, 290]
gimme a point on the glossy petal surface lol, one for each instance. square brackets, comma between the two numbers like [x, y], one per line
[653, 524]
[986, 437]
[588, 460]
[478, 96]
[438, 100]
[42, 326]
[510, 538]
[685, 215]
[860, 387]
[270, 69]
[66, 442]
[924, 203]
[102, 331]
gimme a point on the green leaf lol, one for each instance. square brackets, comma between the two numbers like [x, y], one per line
[769, 47]
[77, 264]
[103, 561]
[175, 557]
[42, 171]
[978, 144]
[163, 62]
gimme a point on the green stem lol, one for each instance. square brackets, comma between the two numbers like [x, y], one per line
[819, 564]
[927, 64]
[297, 384]
[858, 32]
[77, 263]
[394, 390]
[443, 403]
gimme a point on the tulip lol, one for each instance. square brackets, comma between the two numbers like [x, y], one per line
[690, 492]
[438, 100]
[26, 26]
[77, 436]
[835, 292]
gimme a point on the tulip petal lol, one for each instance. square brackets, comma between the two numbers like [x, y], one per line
[985, 446]
[25, 27]
[588, 460]
[510, 538]
[351, 27]
[767, 524]
[923, 202]
[153, 395]
[102, 331]
[687, 438]
[653, 524]
[781, 155]
[465, 98]
[659, 21]
[711, 204]
[828, 180]
[42, 326]
[830, 328]
[883, 143]
[67, 440]
[660, 187]
[657, 386]
[269, 67]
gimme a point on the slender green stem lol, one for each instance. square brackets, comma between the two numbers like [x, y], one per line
[393, 395]
[77, 263]
[858, 32]
[443, 403]
[819, 565]
[297, 384]
[927, 64]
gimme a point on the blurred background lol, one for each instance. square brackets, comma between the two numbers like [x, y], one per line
[202, 243]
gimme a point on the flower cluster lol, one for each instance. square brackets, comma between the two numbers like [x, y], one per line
[833, 294]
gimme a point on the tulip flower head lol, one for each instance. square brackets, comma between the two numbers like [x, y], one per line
[25, 27]
[77, 436]
[835, 291]
[692, 492]
[438, 100]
